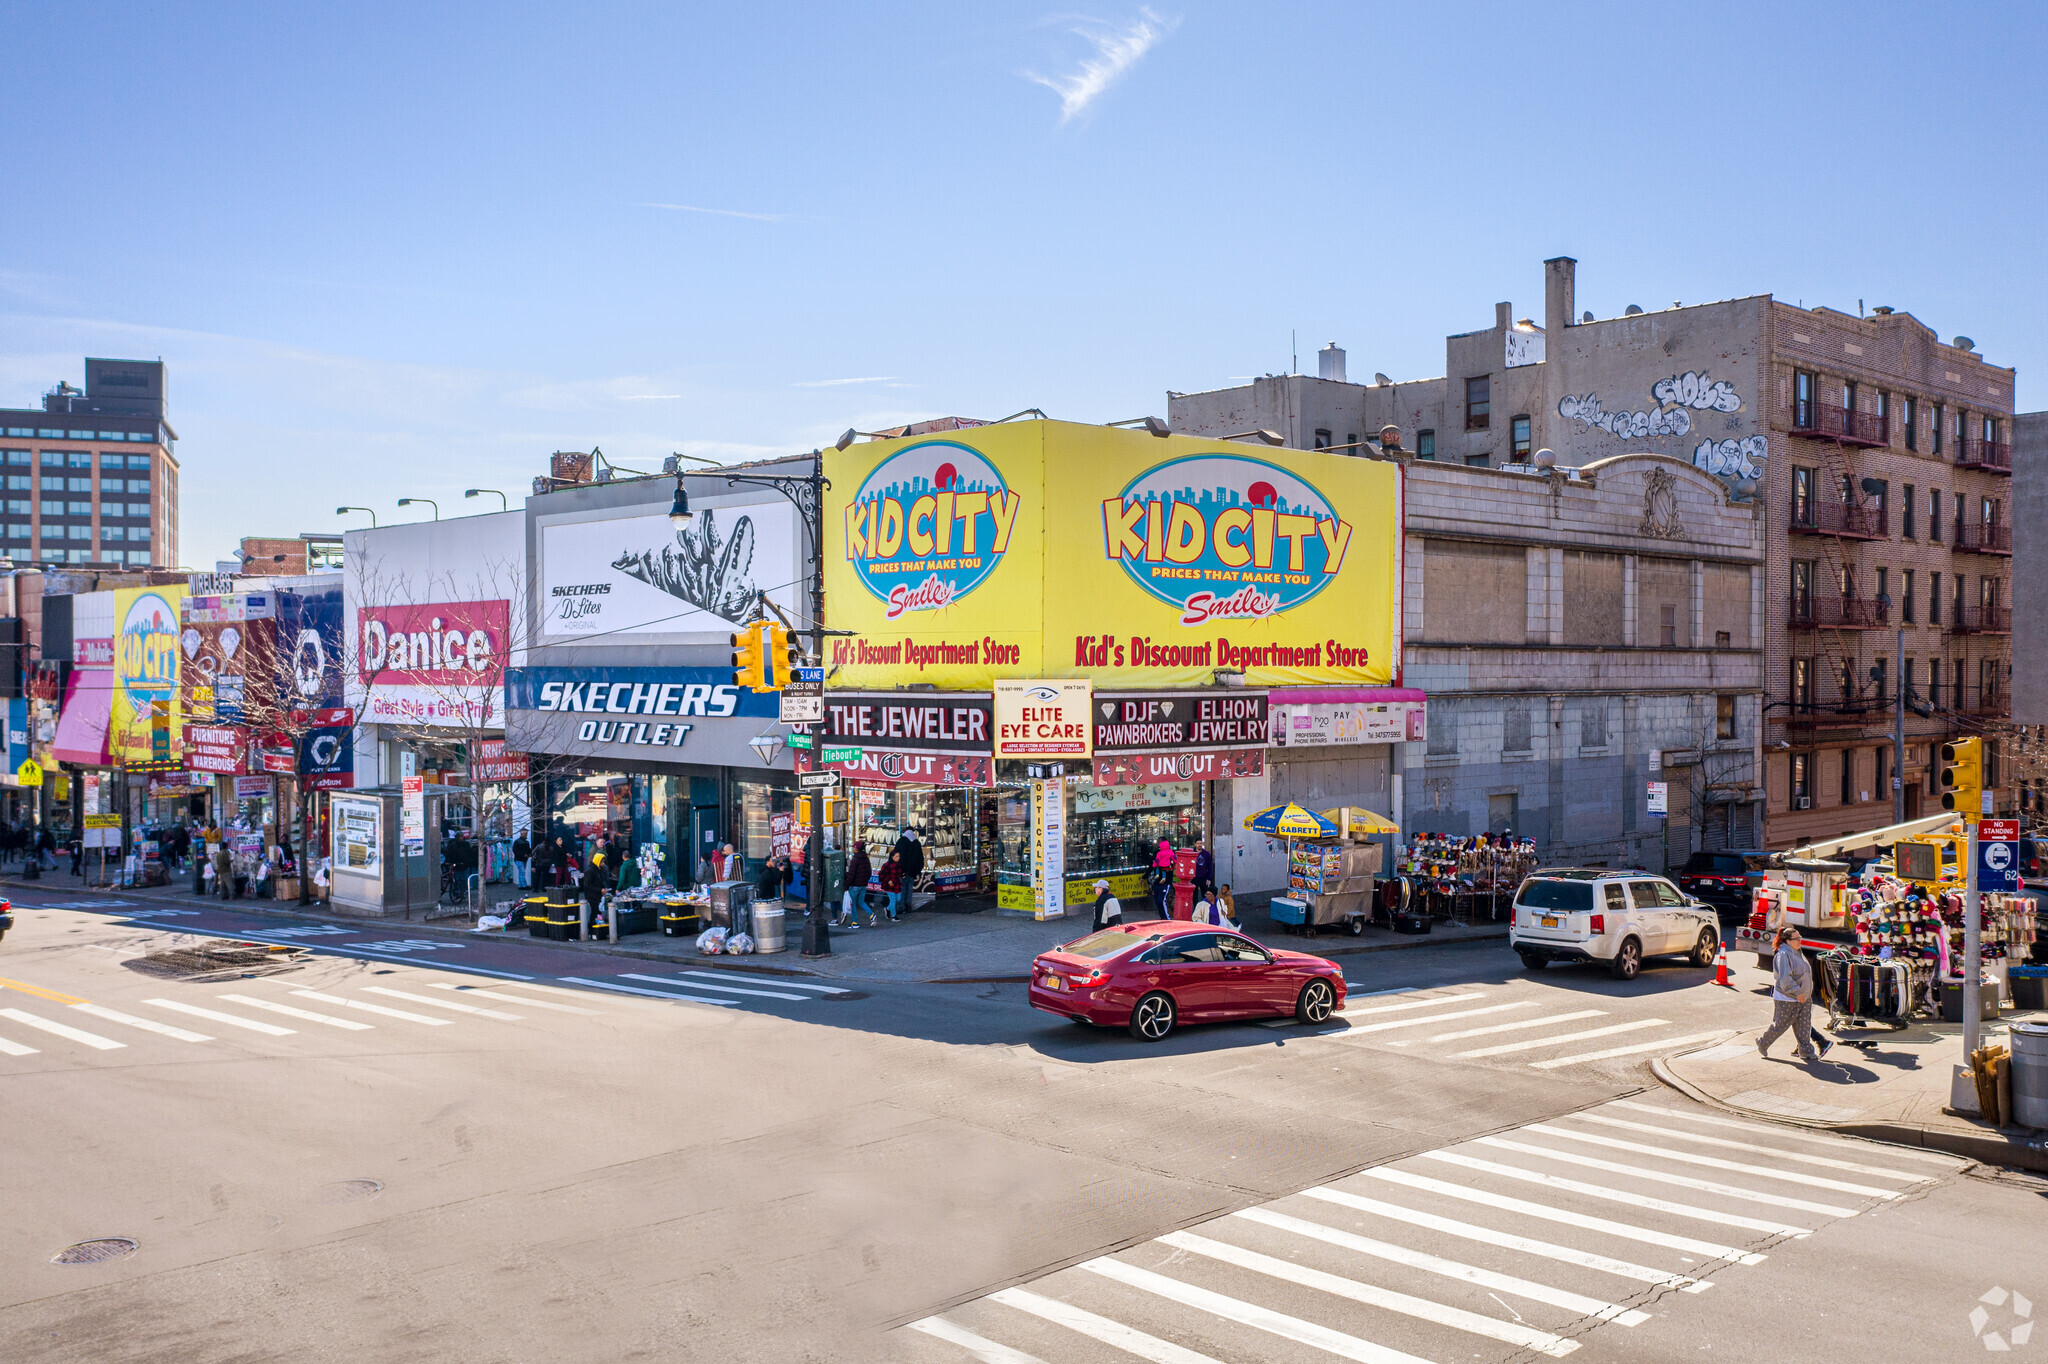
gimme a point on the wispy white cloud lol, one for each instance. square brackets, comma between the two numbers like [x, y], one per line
[1117, 50]
[720, 212]
[841, 383]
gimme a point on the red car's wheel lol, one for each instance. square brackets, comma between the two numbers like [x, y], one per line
[1315, 1002]
[1153, 1017]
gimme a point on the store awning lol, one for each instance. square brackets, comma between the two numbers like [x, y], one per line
[1309, 696]
[82, 724]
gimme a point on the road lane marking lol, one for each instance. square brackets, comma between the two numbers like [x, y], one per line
[657, 994]
[374, 1008]
[217, 1016]
[729, 989]
[1416, 1003]
[1520, 1026]
[1661, 1177]
[54, 996]
[481, 993]
[1756, 1170]
[982, 1348]
[1449, 1269]
[146, 1024]
[1434, 1018]
[454, 1005]
[1505, 1203]
[305, 1015]
[1114, 1334]
[1527, 1245]
[1730, 1145]
[343, 950]
[16, 1049]
[759, 979]
[1555, 1062]
[1249, 1314]
[1633, 1025]
[1786, 1133]
[90, 1039]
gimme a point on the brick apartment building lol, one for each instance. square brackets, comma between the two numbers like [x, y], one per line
[92, 475]
[1873, 458]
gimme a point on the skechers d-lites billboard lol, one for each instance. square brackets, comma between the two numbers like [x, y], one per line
[1036, 549]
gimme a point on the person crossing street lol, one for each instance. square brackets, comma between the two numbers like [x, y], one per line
[1792, 1000]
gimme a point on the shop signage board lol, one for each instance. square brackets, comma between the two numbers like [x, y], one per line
[1179, 722]
[1049, 847]
[1129, 769]
[640, 576]
[662, 715]
[1025, 549]
[1040, 717]
[1660, 798]
[1323, 724]
[250, 788]
[145, 713]
[355, 833]
[327, 749]
[1998, 854]
[216, 749]
[412, 816]
[495, 763]
[433, 663]
[945, 740]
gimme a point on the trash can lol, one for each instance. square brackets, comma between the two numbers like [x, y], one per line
[1952, 1000]
[2030, 1074]
[768, 936]
[2029, 987]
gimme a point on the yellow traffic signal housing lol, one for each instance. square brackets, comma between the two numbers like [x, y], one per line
[747, 662]
[835, 810]
[775, 655]
[1962, 777]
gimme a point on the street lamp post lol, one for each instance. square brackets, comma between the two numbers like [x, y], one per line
[503, 505]
[807, 493]
[408, 501]
[343, 511]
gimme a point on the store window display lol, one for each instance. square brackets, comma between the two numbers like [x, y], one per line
[948, 823]
[1112, 832]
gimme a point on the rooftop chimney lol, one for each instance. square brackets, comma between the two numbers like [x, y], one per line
[1330, 363]
[1559, 275]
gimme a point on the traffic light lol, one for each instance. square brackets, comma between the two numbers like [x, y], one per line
[778, 656]
[747, 660]
[1962, 777]
[835, 810]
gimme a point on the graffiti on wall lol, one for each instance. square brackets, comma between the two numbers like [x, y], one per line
[1586, 407]
[1731, 459]
[1524, 348]
[1694, 389]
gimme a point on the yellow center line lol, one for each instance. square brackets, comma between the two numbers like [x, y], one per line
[40, 992]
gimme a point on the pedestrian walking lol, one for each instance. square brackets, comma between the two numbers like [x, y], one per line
[892, 883]
[1792, 1000]
[1205, 869]
[522, 861]
[854, 894]
[1161, 880]
[1107, 910]
[912, 848]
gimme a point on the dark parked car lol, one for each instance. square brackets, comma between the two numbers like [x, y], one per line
[1724, 880]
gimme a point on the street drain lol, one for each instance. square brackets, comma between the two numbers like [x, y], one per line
[350, 1190]
[218, 961]
[95, 1252]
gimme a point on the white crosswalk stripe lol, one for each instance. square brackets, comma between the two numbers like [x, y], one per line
[453, 1005]
[499, 996]
[779, 982]
[347, 1003]
[1520, 1025]
[304, 1015]
[64, 1030]
[729, 989]
[1755, 1170]
[1660, 1044]
[8, 1048]
[1335, 1267]
[232, 1020]
[145, 1024]
[1436, 1018]
[1506, 1048]
[644, 992]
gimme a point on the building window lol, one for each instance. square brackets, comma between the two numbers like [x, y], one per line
[138, 556]
[78, 532]
[1909, 417]
[1802, 496]
[1802, 684]
[1518, 438]
[1884, 584]
[1934, 683]
[1322, 438]
[1479, 461]
[1991, 430]
[1934, 516]
[1934, 598]
[1849, 396]
[1802, 779]
[1723, 640]
[1962, 505]
[1802, 586]
[139, 535]
[1667, 627]
[1955, 617]
[1848, 791]
[1881, 678]
[1987, 595]
[1959, 694]
[50, 556]
[138, 461]
[1425, 444]
[78, 508]
[1909, 610]
[1883, 772]
[52, 507]
[1884, 410]
[19, 506]
[108, 461]
[1988, 513]
[1479, 403]
[53, 459]
[78, 485]
[1934, 427]
[1724, 717]
[18, 459]
[139, 510]
[112, 533]
[18, 483]
[79, 459]
[1514, 729]
[1593, 726]
[1802, 399]
[1962, 430]
[1443, 735]
[17, 530]
[1909, 684]
[1910, 504]
[1882, 500]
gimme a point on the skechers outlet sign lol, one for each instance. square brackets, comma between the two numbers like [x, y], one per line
[676, 713]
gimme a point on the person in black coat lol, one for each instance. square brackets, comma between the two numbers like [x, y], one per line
[854, 897]
[912, 858]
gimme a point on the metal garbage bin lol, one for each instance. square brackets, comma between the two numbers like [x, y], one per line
[2030, 1074]
[768, 935]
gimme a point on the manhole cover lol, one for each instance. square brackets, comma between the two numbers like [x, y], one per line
[218, 959]
[95, 1252]
[350, 1190]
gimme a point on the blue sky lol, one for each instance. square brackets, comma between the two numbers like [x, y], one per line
[392, 250]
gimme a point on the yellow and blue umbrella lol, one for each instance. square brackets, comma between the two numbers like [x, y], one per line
[1355, 819]
[1290, 821]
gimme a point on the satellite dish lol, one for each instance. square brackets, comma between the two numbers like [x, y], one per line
[1964, 343]
[1380, 380]
[1588, 317]
[1546, 459]
[1632, 311]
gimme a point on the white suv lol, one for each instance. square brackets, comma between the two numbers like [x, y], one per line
[1619, 917]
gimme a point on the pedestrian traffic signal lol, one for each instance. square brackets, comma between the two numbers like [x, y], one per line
[747, 660]
[1962, 777]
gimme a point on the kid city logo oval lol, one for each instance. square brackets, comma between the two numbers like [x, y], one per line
[1225, 537]
[929, 525]
[146, 649]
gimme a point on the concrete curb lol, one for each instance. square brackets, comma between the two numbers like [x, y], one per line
[1989, 1148]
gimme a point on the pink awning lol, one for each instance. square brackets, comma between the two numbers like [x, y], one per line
[1283, 696]
[82, 725]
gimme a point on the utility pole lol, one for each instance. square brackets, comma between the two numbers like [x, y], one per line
[1973, 957]
[1899, 735]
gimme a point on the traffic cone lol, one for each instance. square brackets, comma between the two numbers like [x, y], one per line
[1721, 966]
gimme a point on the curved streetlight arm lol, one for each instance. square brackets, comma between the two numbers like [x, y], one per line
[503, 505]
[408, 501]
[343, 511]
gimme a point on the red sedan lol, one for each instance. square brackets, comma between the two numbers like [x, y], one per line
[1150, 976]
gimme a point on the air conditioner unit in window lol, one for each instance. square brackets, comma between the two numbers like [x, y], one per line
[1802, 802]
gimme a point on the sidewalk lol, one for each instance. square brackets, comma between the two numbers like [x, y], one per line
[1894, 1089]
[924, 948]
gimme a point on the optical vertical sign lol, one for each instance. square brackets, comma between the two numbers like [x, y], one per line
[1998, 854]
[1049, 847]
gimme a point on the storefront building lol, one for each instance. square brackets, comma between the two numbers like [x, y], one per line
[1123, 610]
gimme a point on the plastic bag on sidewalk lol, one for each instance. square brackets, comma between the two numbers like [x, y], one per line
[489, 923]
[711, 941]
[738, 944]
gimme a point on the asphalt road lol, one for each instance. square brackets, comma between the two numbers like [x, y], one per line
[399, 1148]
